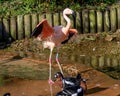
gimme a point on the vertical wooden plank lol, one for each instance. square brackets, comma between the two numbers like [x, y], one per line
[34, 20]
[101, 61]
[106, 21]
[56, 19]
[5, 28]
[85, 18]
[87, 60]
[73, 20]
[41, 17]
[13, 27]
[118, 17]
[20, 26]
[92, 21]
[59, 18]
[119, 60]
[113, 19]
[27, 25]
[99, 21]
[94, 62]
[114, 62]
[1, 29]
[72, 57]
[79, 22]
[49, 19]
[108, 61]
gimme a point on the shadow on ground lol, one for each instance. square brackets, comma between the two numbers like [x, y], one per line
[95, 90]
[11, 59]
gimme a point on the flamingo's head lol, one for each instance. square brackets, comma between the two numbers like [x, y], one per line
[68, 11]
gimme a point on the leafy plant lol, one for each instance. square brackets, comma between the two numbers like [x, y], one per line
[17, 7]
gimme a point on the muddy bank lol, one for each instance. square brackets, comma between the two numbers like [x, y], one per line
[99, 84]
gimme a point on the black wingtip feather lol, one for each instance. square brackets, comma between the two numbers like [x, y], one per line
[70, 35]
[37, 31]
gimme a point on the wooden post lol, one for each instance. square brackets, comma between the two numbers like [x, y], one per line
[92, 21]
[87, 60]
[108, 61]
[118, 17]
[101, 61]
[1, 29]
[6, 30]
[13, 27]
[56, 19]
[85, 21]
[50, 19]
[41, 17]
[113, 19]
[34, 21]
[114, 62]
[106, 21]
[20, 26]
[94, 62]
[72, 57]
[73, 20]
[79, 22]
[27, 25]
[99, 21]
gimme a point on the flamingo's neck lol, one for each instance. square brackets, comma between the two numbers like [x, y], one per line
[68, 21]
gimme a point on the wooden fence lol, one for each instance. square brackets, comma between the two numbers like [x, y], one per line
[100, 61]
[86, 21]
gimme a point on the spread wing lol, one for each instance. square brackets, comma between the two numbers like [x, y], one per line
[72, 32]
[42, 30]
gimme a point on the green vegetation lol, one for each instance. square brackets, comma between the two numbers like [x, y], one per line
[17, 7]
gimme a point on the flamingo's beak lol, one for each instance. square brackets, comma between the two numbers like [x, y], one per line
[74, 14]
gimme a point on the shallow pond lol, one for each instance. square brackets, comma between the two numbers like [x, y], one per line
[25, 69]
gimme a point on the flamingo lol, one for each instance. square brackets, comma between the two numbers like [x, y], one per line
[54, 36]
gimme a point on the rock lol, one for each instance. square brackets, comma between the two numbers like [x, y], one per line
[108, 38]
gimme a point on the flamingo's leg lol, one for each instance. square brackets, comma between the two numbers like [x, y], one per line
[57, 60]
[50, 78]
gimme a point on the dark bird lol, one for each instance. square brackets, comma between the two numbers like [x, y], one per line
[70, 86]
[7, 94]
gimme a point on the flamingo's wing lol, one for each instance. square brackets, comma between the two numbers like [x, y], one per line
[72, 32]
[43, 30]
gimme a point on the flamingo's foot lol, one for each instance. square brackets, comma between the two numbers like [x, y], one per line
[50, 81]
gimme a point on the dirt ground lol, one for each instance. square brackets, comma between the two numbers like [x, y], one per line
[99, 84]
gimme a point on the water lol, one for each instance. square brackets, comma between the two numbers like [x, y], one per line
[25, 69]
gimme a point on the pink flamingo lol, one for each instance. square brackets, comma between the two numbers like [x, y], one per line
[54, 36]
